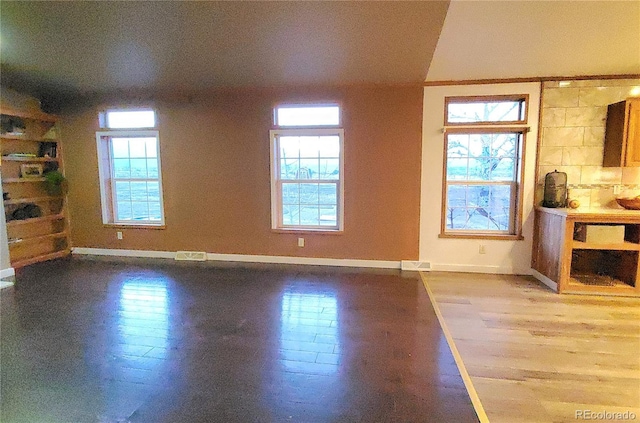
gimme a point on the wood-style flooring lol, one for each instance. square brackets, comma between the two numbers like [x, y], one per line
[537, 356]
[158, 341]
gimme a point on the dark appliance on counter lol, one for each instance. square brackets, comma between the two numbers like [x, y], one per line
[555, 189]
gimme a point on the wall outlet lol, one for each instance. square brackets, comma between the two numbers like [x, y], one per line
[482, 249]
[119, 235]
[300, 242]
[617, 189]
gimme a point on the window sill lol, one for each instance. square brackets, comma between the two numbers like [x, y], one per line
[482, 236]
[308, 231]
[126, 226]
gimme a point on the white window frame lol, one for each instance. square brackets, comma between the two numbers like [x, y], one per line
[276, 181]
[107, 177]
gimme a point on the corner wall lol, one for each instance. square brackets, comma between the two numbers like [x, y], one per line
[463, 254]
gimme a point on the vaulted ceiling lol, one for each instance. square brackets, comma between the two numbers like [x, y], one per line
[80, 47]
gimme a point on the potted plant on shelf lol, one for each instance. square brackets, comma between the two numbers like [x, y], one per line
[55, 182]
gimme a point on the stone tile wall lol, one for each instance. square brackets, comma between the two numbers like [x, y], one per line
[572, 129]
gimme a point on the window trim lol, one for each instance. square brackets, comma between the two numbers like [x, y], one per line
[489, 99]
[105, 173]
[276, 193]
[518, 182]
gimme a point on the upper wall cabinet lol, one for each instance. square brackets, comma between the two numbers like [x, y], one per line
[622, 136]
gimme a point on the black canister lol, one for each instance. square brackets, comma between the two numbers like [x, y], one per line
[555, 189]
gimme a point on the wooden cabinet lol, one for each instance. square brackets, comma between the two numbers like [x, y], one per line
[36, 217]
[622, 136]
[568, 265]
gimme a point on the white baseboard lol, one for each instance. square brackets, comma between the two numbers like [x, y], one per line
[474, 268]
[545, 280]
[7, 273]
[379, 264]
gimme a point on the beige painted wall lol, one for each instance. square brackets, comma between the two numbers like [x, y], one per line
[573, 126]
[502, 256]
[215, 164]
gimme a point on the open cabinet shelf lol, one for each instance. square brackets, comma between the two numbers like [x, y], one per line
[37, 228]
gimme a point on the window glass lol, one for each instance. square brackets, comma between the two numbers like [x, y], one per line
[298, 115]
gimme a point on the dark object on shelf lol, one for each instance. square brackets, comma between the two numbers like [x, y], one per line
[12, 125]
[48, 149]
[629, 203]
[28, 211]
[555, 189]
[5, 196]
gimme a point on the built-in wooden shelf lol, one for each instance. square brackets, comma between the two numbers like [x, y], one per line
[47, 218]
[43, 257]
[29, 159]
[40, 238]
[31, 200]
[24, 138]
[624, 246]
[21, 180]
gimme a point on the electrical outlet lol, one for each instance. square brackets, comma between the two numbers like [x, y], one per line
[482, 249]
[300, 242]
[617, 189]
[119, 235]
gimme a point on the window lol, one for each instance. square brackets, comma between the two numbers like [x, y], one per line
[129, 166]
[483, 166]
[307, 168]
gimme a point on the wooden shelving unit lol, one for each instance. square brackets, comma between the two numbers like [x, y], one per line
[43, 235]
[571, 266]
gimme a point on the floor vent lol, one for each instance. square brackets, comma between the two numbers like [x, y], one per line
[191, 255]
[422, 266]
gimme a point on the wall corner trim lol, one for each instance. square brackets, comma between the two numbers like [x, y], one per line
[313, 261]
[7, 273]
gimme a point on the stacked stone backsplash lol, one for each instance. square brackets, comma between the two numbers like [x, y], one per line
[573, 123]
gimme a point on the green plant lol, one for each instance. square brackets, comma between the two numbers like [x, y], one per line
[55, 182]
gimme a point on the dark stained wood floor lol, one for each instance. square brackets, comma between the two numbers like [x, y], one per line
[98, 341]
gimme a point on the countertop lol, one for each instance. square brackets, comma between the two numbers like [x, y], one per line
[593, 213]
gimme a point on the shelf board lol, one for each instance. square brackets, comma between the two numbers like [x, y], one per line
[47, 218]
[20, 180]
[23, 138]
[43, 257]
[621, 246]
[36, 239]
[31, 200]
[33, 115]
[29, 159]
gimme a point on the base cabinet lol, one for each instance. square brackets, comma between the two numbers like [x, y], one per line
[563, 261]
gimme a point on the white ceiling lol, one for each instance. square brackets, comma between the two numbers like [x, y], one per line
[523, 39]
[81, 47]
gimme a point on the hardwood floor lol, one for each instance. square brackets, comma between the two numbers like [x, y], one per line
[157, 341]
[536, 356]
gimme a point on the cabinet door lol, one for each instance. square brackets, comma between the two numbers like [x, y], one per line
[632, 153]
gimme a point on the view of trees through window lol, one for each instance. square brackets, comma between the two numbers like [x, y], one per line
[481, 168]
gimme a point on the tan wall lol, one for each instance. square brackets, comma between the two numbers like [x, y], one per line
[573, 125]
[215, 169]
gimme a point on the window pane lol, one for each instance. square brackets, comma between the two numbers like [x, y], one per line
[307, 115]
[291, 215]
[138, 168]
[289, 168]
[456, 196]
[329, 169]
[309, 169]
[458, 145]
[456, 218]
[457, 169]
[485, 111]
[155, 212]
[153, 191]
[504, 145]
[479, 169]
[120, 147]
[290, 193]
[121, 168]
[123, 191]
[478, 195]
[152, 168]
[139, 191]
[328, 216]
[309, 193]
[137, 147]
[140, 211]
[309, 215]
[478, 219]
[152, 147]
[327, 194]
[124, 210]
[503, 170]
[289, 147]
[131, 119]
